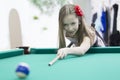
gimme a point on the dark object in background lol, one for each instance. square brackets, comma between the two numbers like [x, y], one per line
[115, 39]
[94, 17]
[26, 49]
[115, 36]
[115, 8]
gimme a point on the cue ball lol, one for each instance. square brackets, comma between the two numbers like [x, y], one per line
[22, 70]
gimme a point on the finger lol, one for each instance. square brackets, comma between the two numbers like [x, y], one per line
[59, 52]
[62, 55]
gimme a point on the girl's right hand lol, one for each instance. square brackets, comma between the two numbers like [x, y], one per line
[63, 52]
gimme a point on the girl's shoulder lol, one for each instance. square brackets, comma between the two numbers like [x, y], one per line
[92, 28]
[92, 31]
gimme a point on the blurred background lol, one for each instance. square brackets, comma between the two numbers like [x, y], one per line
[34, 23]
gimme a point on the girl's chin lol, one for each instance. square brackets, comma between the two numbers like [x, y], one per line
[69, 35]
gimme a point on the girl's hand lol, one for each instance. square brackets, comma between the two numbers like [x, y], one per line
[63, 52]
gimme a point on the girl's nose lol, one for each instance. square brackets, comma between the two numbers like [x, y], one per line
[70, 28]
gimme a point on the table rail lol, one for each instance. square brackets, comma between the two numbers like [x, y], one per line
[91, 50]
[11, 53]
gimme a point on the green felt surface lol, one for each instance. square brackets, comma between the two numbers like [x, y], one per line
[100, 66]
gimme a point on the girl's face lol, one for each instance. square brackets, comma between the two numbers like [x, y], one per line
[70, 25]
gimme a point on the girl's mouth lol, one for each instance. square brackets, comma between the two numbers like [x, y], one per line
[69, 34]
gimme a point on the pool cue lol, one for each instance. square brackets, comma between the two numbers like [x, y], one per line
[57, 57]
[54, 60]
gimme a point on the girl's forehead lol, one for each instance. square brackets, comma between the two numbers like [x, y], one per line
[70, 17]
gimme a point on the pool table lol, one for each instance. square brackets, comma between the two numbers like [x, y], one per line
[99, 63]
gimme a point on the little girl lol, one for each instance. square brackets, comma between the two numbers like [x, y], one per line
[72, 26]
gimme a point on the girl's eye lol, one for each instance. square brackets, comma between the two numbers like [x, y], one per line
[65, 25]
[73, 23]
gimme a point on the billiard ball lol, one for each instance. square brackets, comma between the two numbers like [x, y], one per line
[22, 70]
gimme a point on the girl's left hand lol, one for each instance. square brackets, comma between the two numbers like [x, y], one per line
[63, 52]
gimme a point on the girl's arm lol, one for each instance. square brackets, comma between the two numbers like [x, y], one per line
[80, 50]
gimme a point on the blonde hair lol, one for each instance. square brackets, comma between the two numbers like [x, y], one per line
[84, 30]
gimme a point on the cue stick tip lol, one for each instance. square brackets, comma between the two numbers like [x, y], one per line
[49, 64]
[54, 60]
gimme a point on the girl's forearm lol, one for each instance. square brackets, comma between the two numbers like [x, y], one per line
[82, 49]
